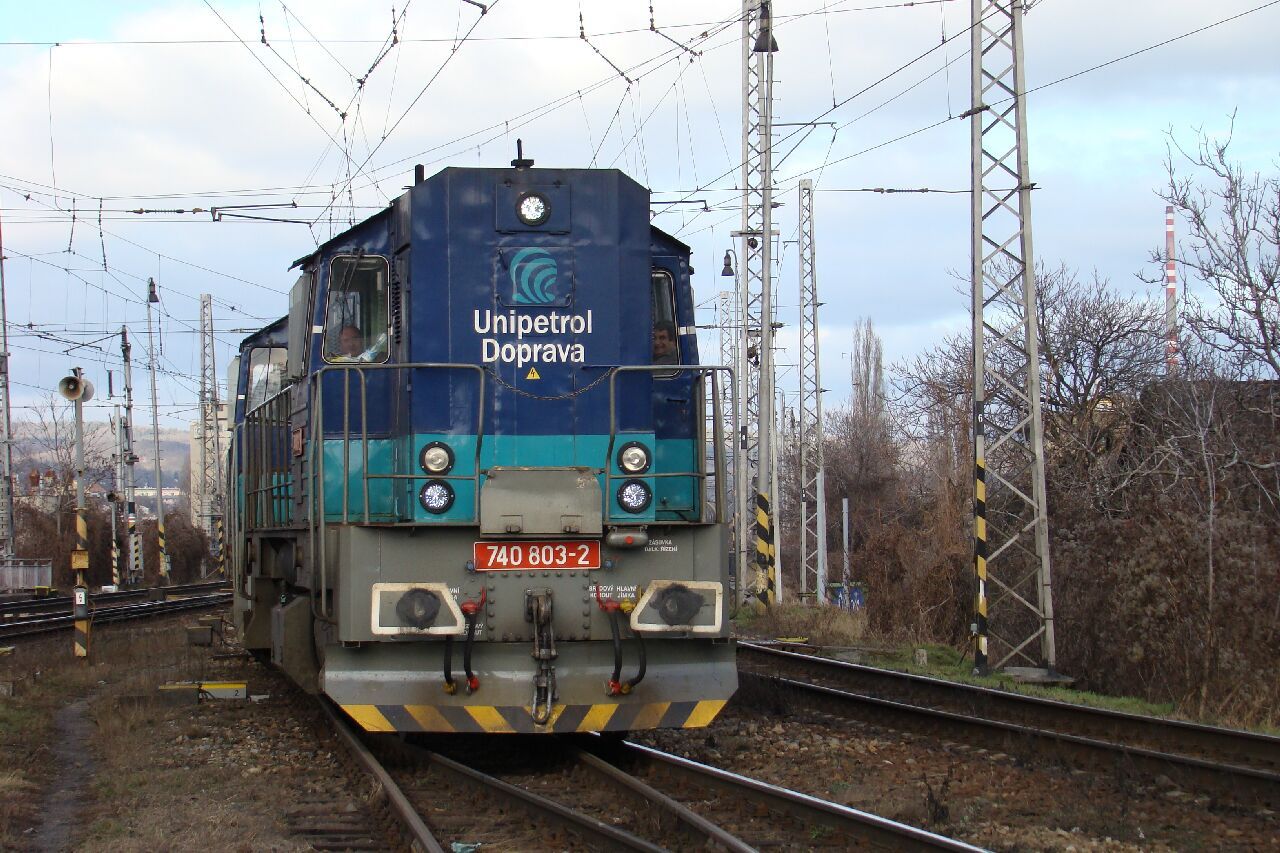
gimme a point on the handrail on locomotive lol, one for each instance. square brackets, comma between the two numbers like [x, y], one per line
[272, 422]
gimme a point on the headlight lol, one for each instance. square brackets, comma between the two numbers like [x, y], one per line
[418, 608]
[633, 458]
[533, 208]
[436, 497]
[436, 458]
[634, 496]
[678, 605]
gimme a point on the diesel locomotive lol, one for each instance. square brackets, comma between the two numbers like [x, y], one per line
[476, 479]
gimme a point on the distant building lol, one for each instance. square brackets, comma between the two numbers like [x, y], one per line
[146, 499]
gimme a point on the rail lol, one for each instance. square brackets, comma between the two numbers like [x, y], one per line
[858, 828]
[589, 792]
[1070, 733]
[121, 613]
[62, 603]
[399, 804]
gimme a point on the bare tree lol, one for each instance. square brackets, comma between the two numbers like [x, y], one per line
[1100, 349]
[860, 455]
[49, 443]
[1234, 247]
[866, 372]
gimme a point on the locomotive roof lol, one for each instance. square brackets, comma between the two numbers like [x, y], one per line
[271, 334]
[663, 237]
[338, 238]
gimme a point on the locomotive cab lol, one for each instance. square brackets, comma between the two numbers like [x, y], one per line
[489, 495]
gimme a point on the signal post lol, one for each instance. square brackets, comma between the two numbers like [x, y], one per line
[79, 390]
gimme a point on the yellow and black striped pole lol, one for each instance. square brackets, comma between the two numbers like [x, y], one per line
[80, 597]
[80, 564]
[135, 545]
[222, 542]
[77, 390]
[115, 551]
[767, 581]
[980, 556]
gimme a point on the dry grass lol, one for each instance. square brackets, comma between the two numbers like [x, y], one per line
[17, 802]
[825, 626]
[125, 661]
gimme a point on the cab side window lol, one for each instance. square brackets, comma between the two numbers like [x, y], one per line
[666, 343]
[266, 374]
[355, 327]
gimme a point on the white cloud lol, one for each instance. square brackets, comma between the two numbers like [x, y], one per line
[144, 119]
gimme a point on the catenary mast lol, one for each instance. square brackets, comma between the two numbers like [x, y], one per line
[7, 542]
[813, 489]
[755, 286]
[1014, 602]
[209, 508]
[153, 296]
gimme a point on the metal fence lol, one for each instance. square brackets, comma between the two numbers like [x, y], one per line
[25, 574]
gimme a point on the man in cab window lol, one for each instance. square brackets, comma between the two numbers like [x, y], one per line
[351, 343]
[664, 343]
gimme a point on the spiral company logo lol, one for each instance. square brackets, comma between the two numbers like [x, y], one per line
[533, 277]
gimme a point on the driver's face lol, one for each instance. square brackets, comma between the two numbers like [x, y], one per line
[662, 343]
[351, 342]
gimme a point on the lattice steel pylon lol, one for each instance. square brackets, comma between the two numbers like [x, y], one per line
[756, 570]
[210, 497]
[727, 323]
[750, 280]
[1014, 606]
[7, 542]
[813, 486]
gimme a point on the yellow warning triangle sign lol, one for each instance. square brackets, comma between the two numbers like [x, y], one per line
[533, 373]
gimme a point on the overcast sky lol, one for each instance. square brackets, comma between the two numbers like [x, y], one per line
[165, 106]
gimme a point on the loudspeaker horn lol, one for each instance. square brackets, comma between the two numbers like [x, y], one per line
[74, 388]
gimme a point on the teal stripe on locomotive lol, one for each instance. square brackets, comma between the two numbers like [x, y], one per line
[382, 492]
[675, 498]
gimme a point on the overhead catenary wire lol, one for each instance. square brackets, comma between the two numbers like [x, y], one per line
[305, 109]
[826, 8]
[169, 257]
[423, 91]
[582, 34]
[848, 99]
[535, 112]
[506, 124]
[829, 160]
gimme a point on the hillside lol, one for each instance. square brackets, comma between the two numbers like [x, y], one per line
[45, 445]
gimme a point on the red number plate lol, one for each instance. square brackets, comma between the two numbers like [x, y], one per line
[530, 556]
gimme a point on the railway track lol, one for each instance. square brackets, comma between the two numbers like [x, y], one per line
[596, 794]
[26, 608]
[1231, 765]
[127, 611]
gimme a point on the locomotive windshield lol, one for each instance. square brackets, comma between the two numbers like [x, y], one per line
[666, 344]
[356, 314]
[266, 374]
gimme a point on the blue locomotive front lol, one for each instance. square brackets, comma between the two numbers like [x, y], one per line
[478, 480]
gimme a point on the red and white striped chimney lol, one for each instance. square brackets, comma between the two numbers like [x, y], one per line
[1170, 295]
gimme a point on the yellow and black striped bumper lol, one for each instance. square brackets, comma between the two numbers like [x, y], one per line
[515, 719]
